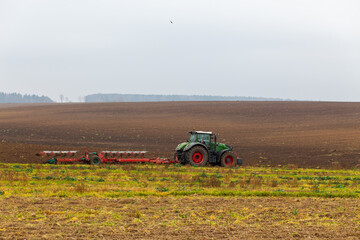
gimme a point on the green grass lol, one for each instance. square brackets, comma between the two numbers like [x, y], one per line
[112, 181]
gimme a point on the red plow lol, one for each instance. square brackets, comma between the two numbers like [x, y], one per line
[95, 158]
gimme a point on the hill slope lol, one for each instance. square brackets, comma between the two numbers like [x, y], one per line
[308, 134]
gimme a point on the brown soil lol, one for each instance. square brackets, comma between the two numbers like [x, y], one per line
[308, 134]
[179, 218]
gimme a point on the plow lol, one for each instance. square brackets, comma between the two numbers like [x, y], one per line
[95, 158]
[200, 150]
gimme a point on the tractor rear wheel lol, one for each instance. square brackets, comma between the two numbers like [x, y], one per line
[95, 160]
[198, 156]
[228, 159]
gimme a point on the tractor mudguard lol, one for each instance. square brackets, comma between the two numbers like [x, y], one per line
[195, 144]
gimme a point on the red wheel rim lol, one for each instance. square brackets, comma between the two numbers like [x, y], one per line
[229, 160]
[198, 157]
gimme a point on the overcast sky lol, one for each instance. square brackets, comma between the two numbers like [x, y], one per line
[298, 49]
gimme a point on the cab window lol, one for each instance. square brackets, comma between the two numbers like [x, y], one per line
[204, 138]
[192, 138]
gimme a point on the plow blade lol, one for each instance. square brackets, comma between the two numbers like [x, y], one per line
[123, 154]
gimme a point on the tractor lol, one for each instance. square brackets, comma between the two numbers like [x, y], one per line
[202, 148]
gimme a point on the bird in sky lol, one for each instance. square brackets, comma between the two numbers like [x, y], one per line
[171, 22]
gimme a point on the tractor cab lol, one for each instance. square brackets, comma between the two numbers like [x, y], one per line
[202, 137]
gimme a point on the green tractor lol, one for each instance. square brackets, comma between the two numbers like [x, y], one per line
[202, 148]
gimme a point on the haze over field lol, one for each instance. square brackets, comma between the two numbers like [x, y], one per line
[307, 50]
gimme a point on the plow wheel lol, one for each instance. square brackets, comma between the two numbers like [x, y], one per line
[228, 159]
[95, 160]
[198, 156]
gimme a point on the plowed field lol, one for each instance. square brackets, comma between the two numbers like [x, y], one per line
[307, 134]
[179, 218]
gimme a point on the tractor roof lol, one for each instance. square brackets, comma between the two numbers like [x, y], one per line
[201, 132]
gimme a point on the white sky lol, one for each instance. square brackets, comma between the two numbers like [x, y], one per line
[299, 49]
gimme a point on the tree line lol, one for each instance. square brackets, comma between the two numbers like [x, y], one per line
[20, 98]
[159, 98]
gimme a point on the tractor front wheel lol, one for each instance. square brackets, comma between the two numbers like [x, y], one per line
[228, 159]
[198, 156]
[95, 160]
